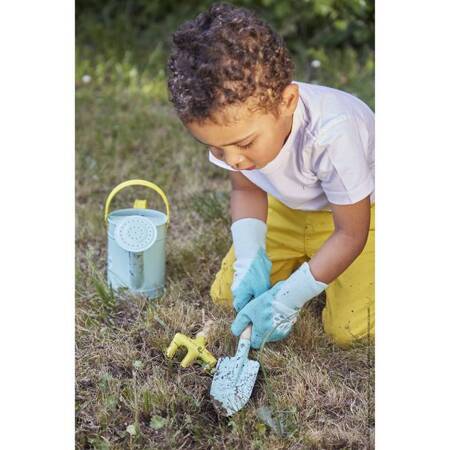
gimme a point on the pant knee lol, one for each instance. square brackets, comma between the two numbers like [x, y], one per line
[349, 328]
[340, 336]
[220, 291]
[221, 294]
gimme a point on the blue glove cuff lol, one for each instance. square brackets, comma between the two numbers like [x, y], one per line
[300, 287]
[249, 235]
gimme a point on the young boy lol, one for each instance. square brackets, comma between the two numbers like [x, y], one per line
[301, 162]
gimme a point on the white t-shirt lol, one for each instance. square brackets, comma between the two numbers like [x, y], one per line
[328, 156]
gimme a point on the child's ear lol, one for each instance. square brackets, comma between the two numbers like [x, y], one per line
[289, 100]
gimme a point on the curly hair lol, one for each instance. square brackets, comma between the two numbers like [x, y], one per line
[223, 57]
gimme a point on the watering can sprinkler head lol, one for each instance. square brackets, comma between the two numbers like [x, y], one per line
[196, 349]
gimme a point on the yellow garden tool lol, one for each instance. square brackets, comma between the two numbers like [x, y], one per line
[196, 348]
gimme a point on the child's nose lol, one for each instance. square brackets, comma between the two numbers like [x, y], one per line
[233, 160]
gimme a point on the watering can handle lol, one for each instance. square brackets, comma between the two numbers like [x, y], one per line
[144, 183]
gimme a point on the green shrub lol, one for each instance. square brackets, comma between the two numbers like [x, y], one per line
[302, 23]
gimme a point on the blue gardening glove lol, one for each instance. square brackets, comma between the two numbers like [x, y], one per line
[252, 266]
[278, 306]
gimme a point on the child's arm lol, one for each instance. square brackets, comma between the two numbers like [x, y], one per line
[252, 267]
[345, 244]
[274, 312]
[247, 199]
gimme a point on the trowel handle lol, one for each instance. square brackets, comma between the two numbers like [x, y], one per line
[204, 332]
[247, 333]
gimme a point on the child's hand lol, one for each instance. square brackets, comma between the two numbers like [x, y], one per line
[252, 266]
[274, 312]
[251, 278]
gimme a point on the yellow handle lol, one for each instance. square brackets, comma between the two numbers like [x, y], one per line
[144, 183]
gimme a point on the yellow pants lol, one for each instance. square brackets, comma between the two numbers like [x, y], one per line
[294, 236]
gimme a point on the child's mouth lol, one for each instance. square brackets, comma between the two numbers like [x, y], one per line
[250, 168]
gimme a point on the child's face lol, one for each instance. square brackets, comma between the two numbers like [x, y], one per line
[250, 140]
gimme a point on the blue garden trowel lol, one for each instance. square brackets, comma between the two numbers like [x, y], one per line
[234, 378]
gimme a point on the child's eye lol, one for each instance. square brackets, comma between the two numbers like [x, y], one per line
[246, 146]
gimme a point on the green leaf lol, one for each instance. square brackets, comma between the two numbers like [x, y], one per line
[131, 429]
[110, 402]
[158, 422]
[138, 364]
[261, 428]
[341, 25]
[99, 443]
[276, 424]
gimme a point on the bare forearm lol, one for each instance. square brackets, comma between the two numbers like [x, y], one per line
[248, 203]
[336, 254]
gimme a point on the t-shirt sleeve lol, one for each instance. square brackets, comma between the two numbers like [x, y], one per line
[341, 161]
[220, 163]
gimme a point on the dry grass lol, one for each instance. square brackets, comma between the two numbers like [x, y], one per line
[128, 395]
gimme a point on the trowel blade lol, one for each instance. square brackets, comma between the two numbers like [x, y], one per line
[233, 383]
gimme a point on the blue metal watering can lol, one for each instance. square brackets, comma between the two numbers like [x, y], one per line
[136, 243]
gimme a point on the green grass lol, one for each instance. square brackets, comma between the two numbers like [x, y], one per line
[128, 395]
